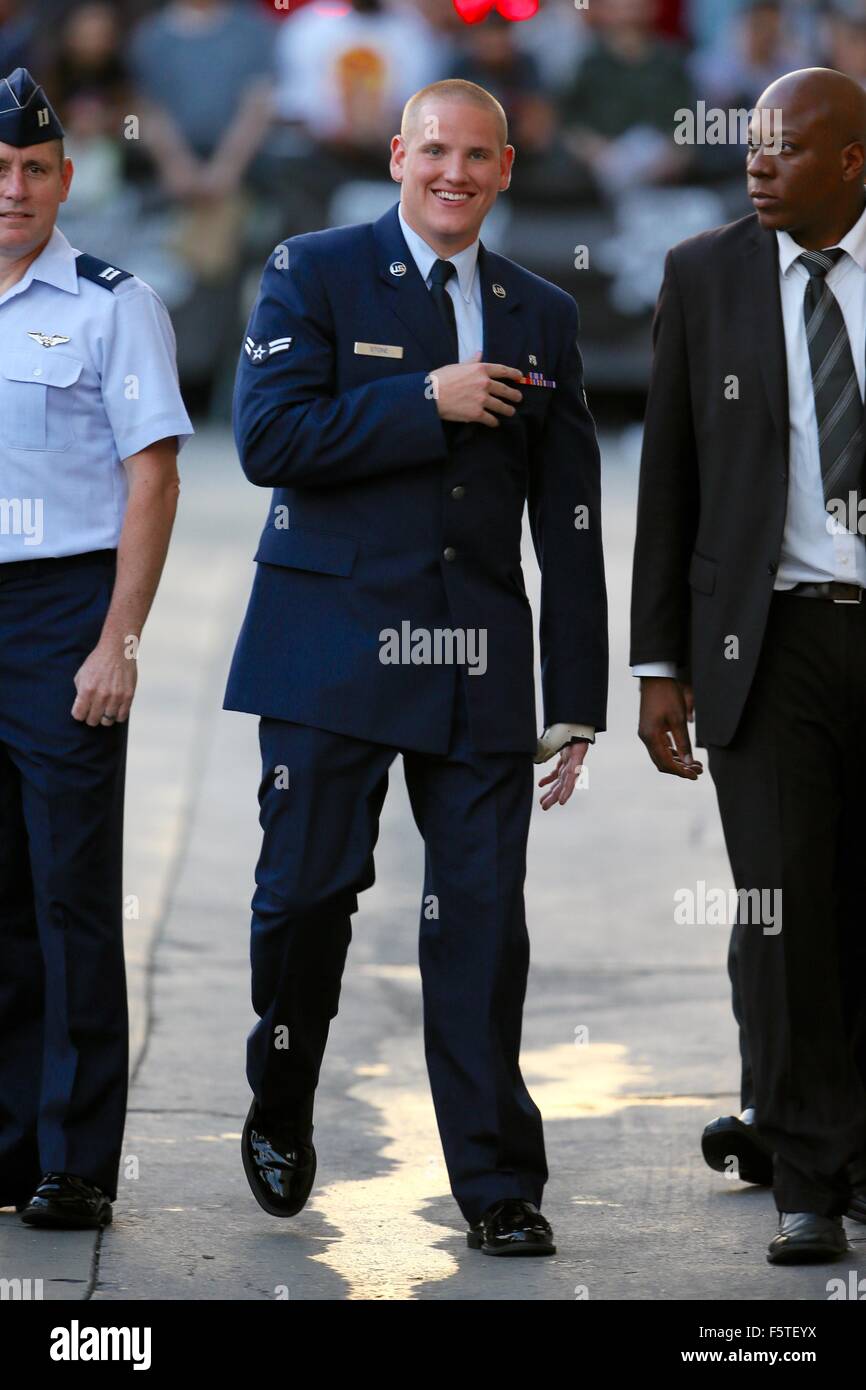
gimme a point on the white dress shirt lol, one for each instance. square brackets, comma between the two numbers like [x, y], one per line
[465, 291]
[815, 547]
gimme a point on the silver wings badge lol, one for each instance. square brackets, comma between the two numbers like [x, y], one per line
[47, 340]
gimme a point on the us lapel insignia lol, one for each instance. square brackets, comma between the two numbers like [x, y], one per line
[499, 291]
[397, 268]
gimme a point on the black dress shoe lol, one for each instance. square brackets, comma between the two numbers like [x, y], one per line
[857, 1205]
[736, 1136]
[280, 1164]
[63, 1200]
[805, 1237]
[512, 1226]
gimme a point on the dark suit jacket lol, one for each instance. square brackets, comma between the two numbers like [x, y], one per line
[714, 471]
[356, 453]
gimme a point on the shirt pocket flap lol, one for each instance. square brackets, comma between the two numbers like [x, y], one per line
[307, 550]
[702, 573]
[50, 369]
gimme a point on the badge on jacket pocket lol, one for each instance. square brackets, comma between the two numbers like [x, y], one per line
[378, 350]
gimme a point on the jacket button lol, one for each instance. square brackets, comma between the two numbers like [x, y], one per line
[771, 568]
[449, 553]
[458, 492]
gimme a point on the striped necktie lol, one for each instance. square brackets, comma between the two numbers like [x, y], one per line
[838, 405]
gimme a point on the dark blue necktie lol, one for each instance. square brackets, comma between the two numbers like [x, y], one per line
[440, 274]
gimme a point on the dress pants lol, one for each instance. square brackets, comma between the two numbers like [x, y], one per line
[63, 1016]
[791, 795]
[473, 811]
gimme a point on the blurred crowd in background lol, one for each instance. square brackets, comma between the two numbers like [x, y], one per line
[204, 131]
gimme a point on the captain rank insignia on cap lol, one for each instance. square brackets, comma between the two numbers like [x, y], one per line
[26, 115]
[261, 351]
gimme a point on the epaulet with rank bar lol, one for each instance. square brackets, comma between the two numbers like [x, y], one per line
[100, 272]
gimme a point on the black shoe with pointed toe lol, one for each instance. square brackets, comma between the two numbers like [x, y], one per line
[280, 1163]
[804, 1237]
[512, 1226]
[737, 1136]
[66, 1202]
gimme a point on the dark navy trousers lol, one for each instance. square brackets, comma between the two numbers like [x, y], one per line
[63, 1016]
[320, 831]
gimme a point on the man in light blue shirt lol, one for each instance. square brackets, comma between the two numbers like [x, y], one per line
[90, 421]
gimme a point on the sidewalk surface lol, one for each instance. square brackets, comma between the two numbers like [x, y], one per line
[636, 1213]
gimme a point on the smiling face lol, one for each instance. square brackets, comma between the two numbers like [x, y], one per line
[452, 165]
[33, 184]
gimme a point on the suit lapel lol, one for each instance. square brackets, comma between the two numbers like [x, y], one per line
[503, 330]
[408, 297]
[764, 305]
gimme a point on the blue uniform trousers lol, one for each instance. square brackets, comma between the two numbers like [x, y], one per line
[320, 831]
[63, 1016]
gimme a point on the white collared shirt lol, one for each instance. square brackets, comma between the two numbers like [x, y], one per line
[815, 548]
[71, 410]
[464, 287]
[811, 552]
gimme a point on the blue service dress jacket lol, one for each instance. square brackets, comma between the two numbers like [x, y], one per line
[382, 516]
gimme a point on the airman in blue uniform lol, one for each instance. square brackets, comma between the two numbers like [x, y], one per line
[389, 614]
[90, 421]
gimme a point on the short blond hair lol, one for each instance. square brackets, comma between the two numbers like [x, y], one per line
[454, 89]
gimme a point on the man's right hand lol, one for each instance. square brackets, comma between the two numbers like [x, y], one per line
[665, 708]
[471, 393]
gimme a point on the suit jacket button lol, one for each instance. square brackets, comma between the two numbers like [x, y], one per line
[449, 553]
[458, 492]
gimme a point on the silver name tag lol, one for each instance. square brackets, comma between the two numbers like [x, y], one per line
[378, 350]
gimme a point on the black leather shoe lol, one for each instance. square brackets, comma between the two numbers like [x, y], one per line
[736, 1136]
[280, 1164]
[512, 1226]
[63, 1200]
[857, 1205]
[805, 1237]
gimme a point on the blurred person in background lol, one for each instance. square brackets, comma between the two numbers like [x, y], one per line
[17, 33]
[846, 35]
[492, 59]
[618, 113]
[757, 47]
[90, 80]
[556, 38]
[203, 69]
[343, 78]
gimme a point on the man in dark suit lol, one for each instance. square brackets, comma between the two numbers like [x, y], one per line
[749, 570]
[405, 391]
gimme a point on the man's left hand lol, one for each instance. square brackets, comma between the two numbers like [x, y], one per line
[564, 776]
[105, 683]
